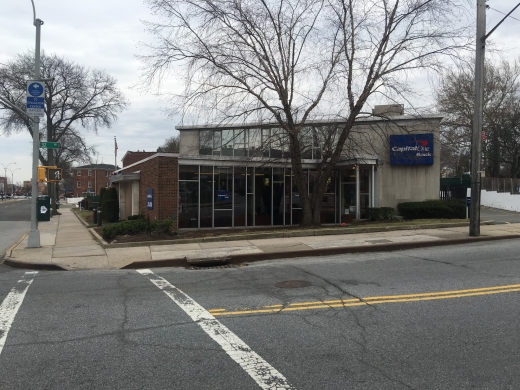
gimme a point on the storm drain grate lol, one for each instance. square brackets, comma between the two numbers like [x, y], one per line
[213, 266]
[293, 284]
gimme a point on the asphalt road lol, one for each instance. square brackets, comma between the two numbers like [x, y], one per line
[15, 220]
[499, 216]
[437, 318]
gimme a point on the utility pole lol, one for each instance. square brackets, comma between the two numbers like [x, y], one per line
[476, 139]
[33, 240]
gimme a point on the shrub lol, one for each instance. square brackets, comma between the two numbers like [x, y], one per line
[438, 209]
[110, 206]
[381, 213]
[160, 227]
[134, 217]
[136, 226]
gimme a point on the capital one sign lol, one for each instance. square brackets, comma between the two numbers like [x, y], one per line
[411, 149]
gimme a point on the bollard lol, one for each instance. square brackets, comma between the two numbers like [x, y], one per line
[94, 216]
[99, 217]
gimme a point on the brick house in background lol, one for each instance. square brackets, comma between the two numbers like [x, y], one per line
[89, 179]
[132, 157]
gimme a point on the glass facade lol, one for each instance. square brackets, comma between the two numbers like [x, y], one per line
[270, 142]
[215, 196]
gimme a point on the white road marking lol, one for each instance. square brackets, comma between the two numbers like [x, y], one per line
[266, 376]
[12, 303]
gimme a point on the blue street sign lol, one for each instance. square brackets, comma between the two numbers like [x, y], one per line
[35, 105]
[149, 198]
[35, 102]
[468, 201]
[34, 88]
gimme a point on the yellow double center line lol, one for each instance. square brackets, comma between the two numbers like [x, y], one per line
[430, 296]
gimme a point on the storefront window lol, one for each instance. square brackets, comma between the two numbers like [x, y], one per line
[217, 142]
[188, 204]
[266, 142]
[278, 196]
[250, 183]
[240, 197]
[189, 172]
[306, 142]
[206, 142]
[255, 143]
[227, 142]
[240, 146]
[206, 196]
[223, 193]
[263, 188]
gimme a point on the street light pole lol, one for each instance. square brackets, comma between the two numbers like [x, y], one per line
[12, 180]
[476, 139]
[476, 136]
[5, 175]
[33, 240]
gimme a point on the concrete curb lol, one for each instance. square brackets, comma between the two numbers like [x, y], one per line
[288, 234]
[254, 257]
[36, 266]
[10, 250]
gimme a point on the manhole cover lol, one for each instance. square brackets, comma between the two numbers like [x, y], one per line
[293, 284]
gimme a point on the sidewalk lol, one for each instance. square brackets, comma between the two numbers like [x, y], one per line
[67, 244]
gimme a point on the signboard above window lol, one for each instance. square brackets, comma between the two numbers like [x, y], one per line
[411, 149]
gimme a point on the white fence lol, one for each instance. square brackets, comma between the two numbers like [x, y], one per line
[73, 200]
[500, 200]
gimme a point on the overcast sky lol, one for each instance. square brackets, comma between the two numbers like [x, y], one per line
[105, 35]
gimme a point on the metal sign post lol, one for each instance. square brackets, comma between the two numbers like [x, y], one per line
[33, 239]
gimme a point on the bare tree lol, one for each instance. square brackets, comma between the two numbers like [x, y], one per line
[171, 145]
[290, 61]
[455, 98]
[76, 99]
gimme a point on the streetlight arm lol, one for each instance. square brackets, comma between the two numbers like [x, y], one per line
[34, 13]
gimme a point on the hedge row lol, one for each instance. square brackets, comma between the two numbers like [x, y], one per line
[137, 226]
[438, 209]
[381, 213]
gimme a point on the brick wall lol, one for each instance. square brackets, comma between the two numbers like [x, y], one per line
[133, 157]
[161, 174]
[98, 179]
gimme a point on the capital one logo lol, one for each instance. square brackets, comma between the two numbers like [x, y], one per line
[418, 145]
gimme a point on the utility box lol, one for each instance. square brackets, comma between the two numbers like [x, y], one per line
[43, 208]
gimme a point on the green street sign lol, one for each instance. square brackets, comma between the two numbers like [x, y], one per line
[50, 145]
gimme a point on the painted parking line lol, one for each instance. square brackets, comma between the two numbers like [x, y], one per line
[266, 376]
[377, 300]
[12, 303]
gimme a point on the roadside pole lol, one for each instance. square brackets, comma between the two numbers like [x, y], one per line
[33, 240]
[476, 136]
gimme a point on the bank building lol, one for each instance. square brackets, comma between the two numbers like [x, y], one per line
[240, 175]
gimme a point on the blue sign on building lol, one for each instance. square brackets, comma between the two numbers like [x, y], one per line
[149, 198]
[411, 149]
